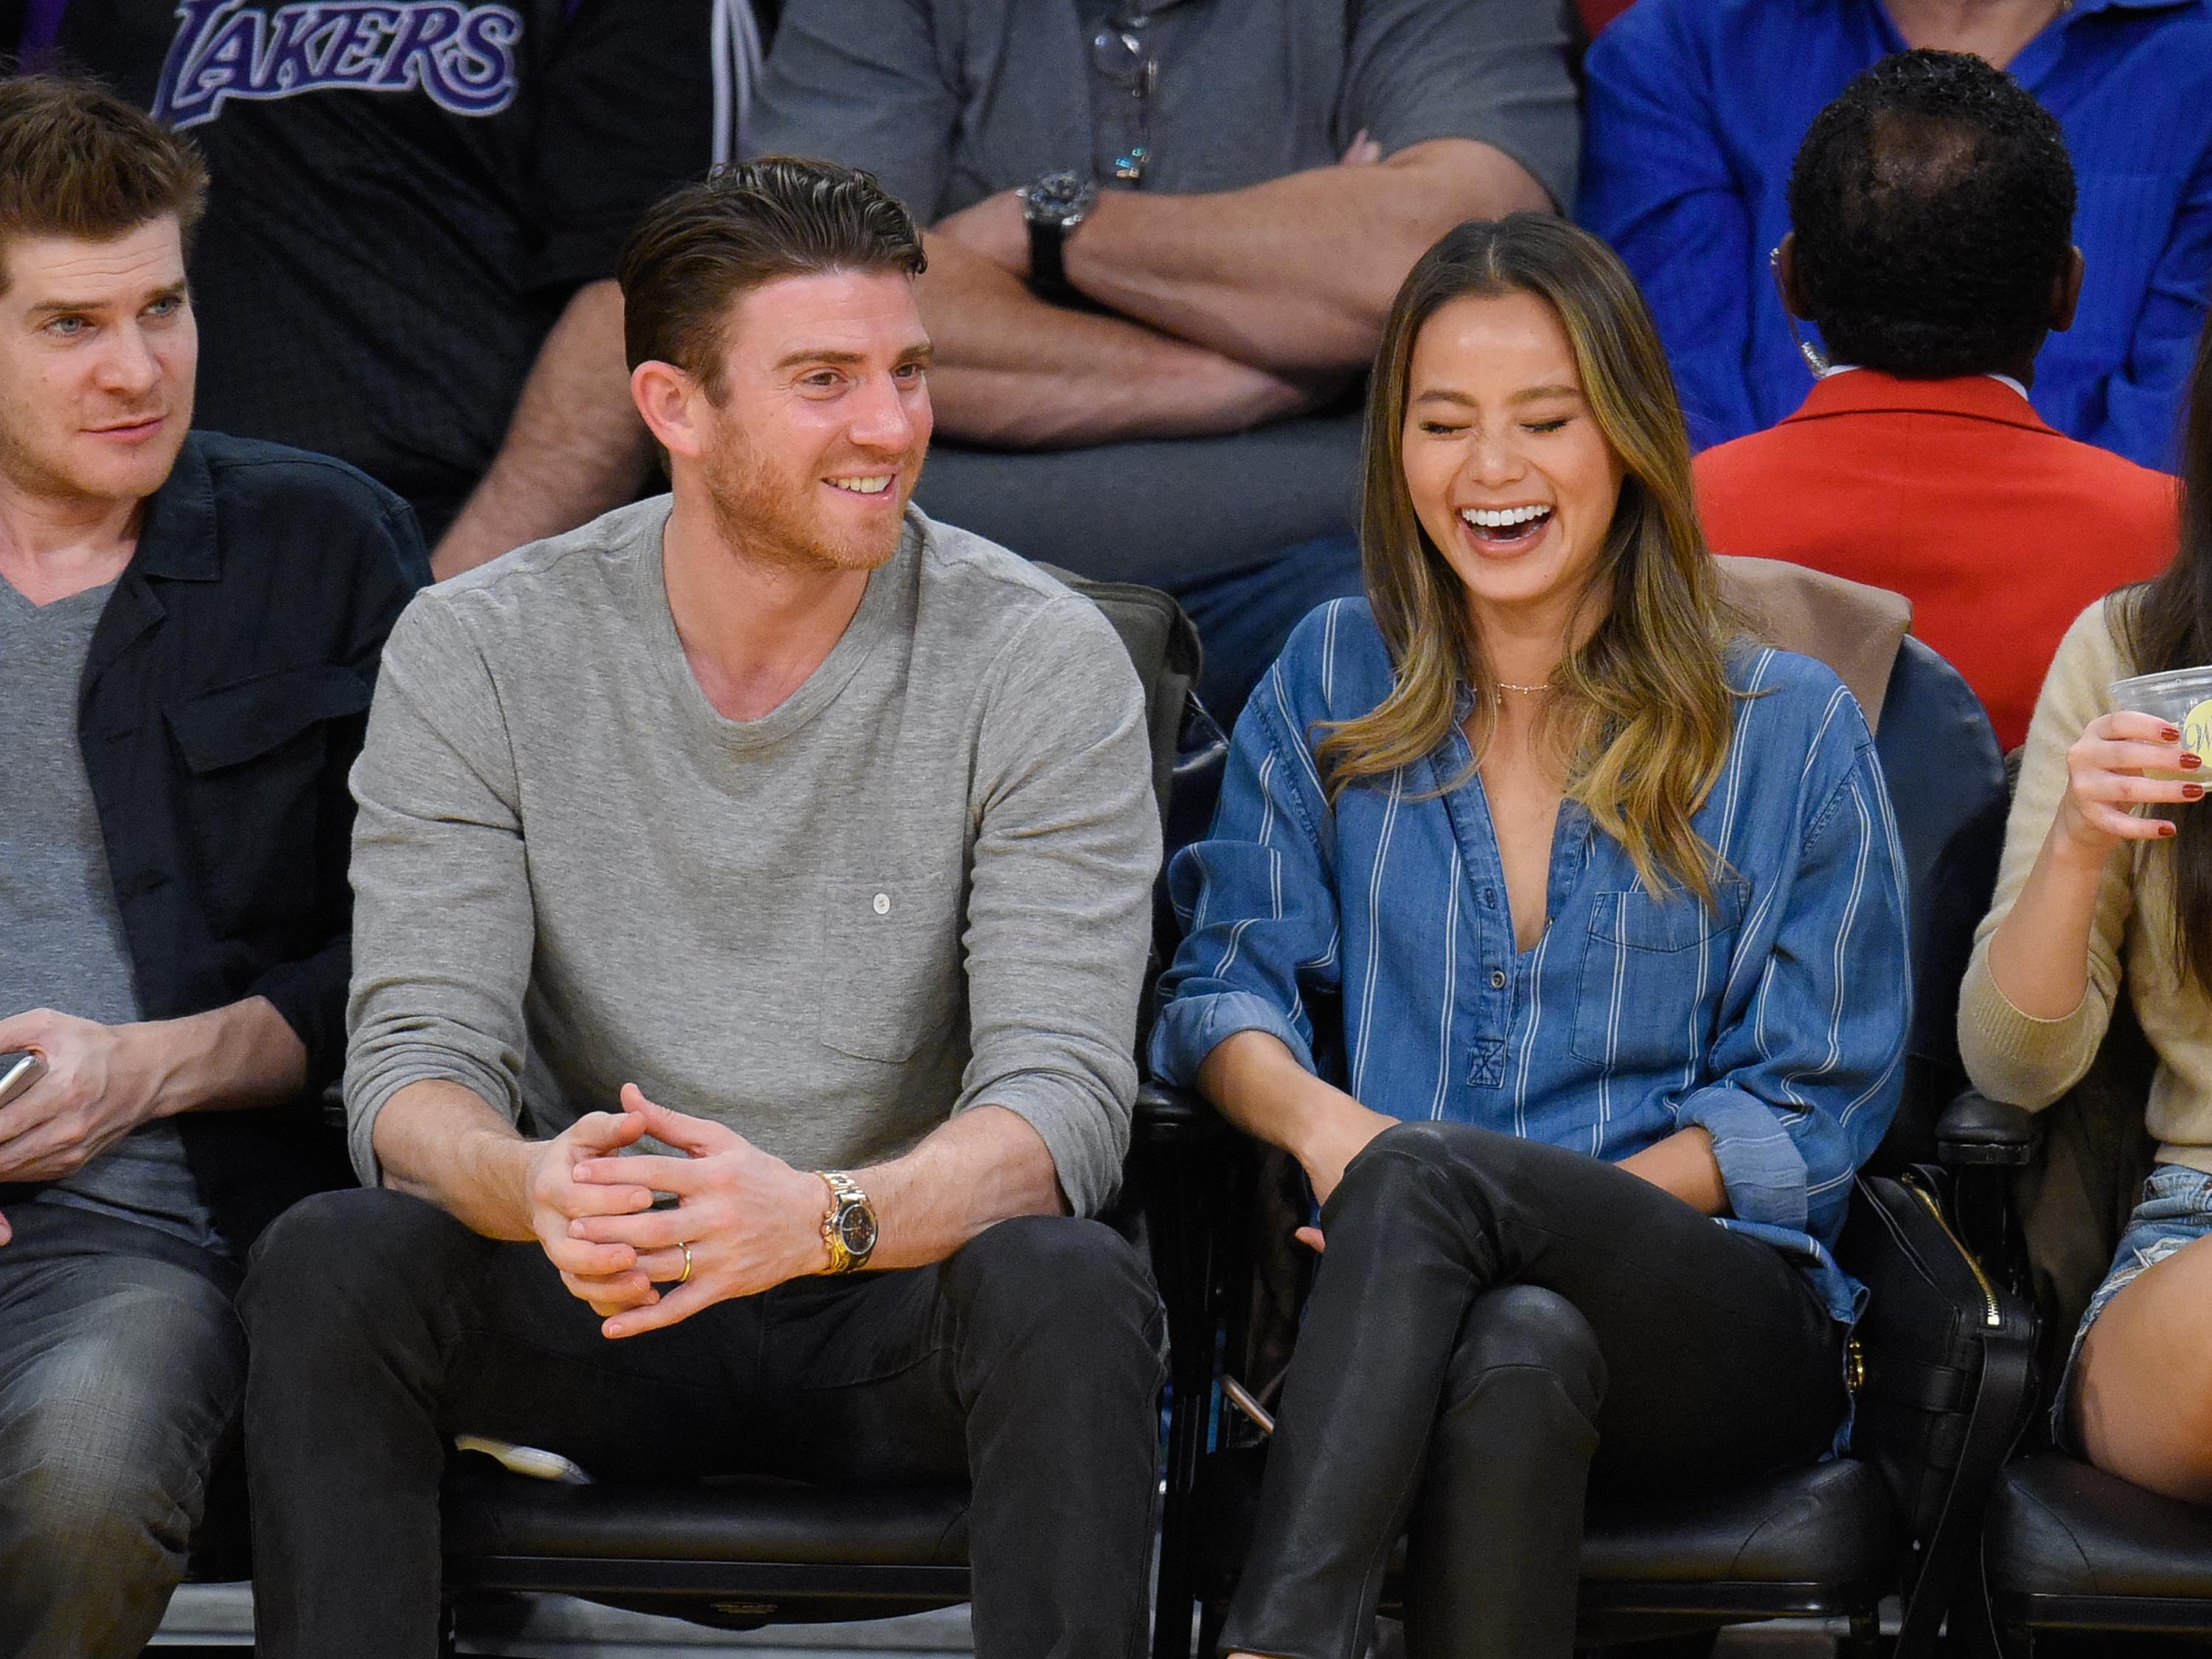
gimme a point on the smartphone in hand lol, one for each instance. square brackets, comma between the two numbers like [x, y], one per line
[19, 1069]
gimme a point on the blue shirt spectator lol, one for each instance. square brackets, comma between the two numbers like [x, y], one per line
[1696, 109]
[1776, 1025]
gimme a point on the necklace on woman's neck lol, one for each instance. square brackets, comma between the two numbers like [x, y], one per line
[1508, 686]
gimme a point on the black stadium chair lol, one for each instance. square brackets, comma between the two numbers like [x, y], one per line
[742, 1553]
[1829, 1540]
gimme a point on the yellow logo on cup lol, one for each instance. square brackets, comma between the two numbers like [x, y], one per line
[2196, 728]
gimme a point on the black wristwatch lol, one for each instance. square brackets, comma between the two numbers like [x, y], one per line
[1054, 206]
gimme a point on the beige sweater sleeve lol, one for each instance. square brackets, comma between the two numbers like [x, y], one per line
[2012, 1057]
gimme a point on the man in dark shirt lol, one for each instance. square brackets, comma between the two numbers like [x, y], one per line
[407, 256]
[189, 631]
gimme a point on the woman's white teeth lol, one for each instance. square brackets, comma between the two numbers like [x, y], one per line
[1503, 518]
[862, 486]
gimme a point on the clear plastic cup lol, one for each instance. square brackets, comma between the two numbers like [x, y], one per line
[2180, 696]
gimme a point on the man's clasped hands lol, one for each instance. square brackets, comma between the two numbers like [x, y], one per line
[743, 1222]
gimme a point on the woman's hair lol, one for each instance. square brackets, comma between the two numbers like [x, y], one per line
[2167, 623]
[1642, 710]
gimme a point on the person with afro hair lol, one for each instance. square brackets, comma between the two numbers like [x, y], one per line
[1693, 114]
[1932, 206]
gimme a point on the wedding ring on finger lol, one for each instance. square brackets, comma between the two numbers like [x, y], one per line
[687, 1264]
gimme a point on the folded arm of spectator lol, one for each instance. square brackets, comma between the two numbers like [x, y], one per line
[1292, 276]
[1012, 370]
[576, 447]
[1296, 274]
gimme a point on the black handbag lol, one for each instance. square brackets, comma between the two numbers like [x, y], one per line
[1943, 1363]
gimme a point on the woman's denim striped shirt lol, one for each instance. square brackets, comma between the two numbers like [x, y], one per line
[1374, 938]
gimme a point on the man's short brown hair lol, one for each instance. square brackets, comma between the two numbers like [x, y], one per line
[76, 161]
[700, 248]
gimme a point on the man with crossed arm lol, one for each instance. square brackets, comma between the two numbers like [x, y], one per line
[1162, 240]
[814, 841]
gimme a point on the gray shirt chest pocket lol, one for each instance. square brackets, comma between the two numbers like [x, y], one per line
[892, 969]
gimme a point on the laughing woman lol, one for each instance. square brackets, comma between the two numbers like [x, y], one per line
[1560, 934]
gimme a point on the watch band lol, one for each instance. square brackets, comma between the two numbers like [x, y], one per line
[1048, 262]
[846, 1196]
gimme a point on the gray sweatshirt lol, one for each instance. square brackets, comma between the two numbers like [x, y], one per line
[921, 884]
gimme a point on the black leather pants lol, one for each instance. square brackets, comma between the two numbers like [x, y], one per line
[1496, 1323]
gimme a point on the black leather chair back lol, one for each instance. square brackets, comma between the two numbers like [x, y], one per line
[1946, 786]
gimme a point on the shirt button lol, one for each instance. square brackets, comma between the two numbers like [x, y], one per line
[883, 904]
[1497, 979]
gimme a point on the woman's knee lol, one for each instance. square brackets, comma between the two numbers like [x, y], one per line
[1527, 1331]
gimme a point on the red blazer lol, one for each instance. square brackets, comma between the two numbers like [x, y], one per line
[1954, 494]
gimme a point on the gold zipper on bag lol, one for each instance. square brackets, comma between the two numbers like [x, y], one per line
[1991, 1316]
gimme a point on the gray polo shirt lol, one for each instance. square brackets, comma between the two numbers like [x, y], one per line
[949, 100]
[921, 884]
[62, 944]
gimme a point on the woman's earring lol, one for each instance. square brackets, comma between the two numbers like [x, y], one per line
[1806, 349]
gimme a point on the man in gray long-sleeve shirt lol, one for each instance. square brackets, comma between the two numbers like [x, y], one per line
[812, 840]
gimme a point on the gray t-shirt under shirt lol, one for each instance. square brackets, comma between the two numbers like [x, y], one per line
[61, 938]
[921, 884]
[947, 101]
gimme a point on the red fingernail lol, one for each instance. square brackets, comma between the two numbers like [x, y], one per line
[2192, 791]
[2190, 762]
[2165, 829]
[2171, 734]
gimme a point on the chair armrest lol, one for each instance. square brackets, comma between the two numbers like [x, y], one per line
[1167, 1117]
[1977, 1130]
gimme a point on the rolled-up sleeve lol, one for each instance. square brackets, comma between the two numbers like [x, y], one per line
[443, 921]
[864, 82]
[1807, 1073]
[1257, 901]
[1067, 844]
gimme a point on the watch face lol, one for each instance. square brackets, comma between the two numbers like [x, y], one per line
[856, 1229]
[1059, 197]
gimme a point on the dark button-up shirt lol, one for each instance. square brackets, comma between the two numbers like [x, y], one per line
[223, 701]
[1696, 109]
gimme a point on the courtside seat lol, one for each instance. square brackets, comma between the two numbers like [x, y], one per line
[2066, 1545]
[1738, 1552]
[738, 1553]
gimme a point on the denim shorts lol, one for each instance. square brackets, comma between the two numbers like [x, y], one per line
[2176, 1209]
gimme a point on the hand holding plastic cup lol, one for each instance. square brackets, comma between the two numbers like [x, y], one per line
[2182, 697]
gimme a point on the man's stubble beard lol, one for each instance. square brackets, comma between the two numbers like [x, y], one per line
[755, 514]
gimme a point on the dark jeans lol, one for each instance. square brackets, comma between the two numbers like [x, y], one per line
[1244, 617]
[1491, 1315]
[1028, 1364]
[120, 1373]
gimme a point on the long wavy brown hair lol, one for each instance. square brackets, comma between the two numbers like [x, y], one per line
[1642, 710]
[2167, 623]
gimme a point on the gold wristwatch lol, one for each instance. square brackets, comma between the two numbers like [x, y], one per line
[848, 1226]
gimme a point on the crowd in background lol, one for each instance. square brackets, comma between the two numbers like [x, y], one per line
[408, 257]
